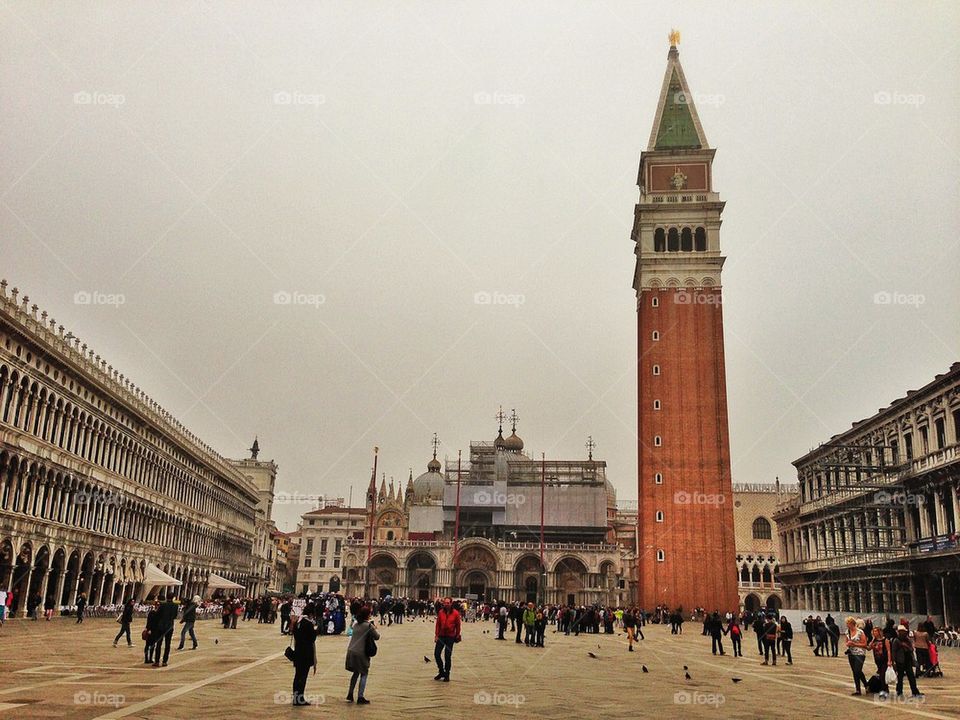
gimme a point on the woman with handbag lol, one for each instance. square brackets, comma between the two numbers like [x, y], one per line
[881, 656]
[304, 653]
[362, 647]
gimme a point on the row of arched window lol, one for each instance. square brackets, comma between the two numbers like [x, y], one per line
[679, 240]
[40, 492]
[29, 406]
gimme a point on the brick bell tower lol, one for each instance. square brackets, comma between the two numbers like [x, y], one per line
[686, 554]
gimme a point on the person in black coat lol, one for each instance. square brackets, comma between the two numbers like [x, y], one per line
[304, 653]
[166, 619]
[81, 606]
[126, 618]
[151, 632]
[714, 627]
[786, 639]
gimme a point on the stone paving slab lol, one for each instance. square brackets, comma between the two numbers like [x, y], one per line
[64, 670]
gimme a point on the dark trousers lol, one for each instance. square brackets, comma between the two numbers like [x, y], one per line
[908, 671]
[785, 650]
[834, 641]
[716, 644]
[162, 643]
[882, 674]
[760, 644]
[821, 648]
[284, 624]
[540, 631]
[810, 638]
[519, 628]
[769, 648]
[856, 665]
[300, 672]
[737, 650]
[187, 628]
[529, 635]
[124, 628]
[501, 628]
[444, 645]
[79, 615]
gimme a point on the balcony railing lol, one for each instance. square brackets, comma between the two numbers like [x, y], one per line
[567, 547]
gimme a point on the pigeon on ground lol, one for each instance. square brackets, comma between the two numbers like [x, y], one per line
[598, 646]
[644, 668]
[736, 680]
[426, 659]
[216, 641]
[687, 675]
[591, 655]
[685, 667]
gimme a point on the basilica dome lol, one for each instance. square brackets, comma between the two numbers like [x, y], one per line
[513, 442]
[429, 486]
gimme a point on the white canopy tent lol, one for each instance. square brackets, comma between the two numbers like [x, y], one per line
[217, 582]
[155, 577]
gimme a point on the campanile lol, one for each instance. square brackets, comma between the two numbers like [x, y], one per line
[686, 540]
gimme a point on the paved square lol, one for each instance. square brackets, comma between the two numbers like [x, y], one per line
[62, 670]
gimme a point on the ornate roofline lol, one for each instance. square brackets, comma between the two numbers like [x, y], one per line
[75, 354]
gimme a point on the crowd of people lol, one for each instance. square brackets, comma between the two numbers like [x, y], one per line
[900, 654]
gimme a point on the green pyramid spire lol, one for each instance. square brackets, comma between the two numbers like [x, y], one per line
[677, 129]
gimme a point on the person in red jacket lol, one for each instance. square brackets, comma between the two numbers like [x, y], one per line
[447, 633]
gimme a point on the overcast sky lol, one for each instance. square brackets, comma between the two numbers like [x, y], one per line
[383, 163]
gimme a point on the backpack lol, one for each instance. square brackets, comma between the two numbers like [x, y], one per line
[370, 647]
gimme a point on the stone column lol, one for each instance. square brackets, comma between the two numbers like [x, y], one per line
[25, 594]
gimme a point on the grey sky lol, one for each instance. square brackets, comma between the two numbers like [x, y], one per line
[394, 160]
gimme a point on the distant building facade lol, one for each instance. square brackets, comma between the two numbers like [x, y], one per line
[323, 540]
[97, 480]
[263, 475]
[873, 528]
[422, 547]
[758, 543]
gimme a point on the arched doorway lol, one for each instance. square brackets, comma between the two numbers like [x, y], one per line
[421, 573]
[21, 578]
[570, 576]
[40, 567]
[383, 575]
[527, 578]
[6, 563]
[70, 582]
[774, 602]
[478, 568]
[751, 603]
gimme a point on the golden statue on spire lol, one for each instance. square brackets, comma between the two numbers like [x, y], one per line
[674, 37]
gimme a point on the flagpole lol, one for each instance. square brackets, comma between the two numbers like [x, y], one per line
[543, 487]
[373, 503]
[456, 524]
